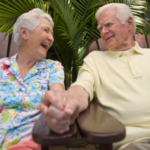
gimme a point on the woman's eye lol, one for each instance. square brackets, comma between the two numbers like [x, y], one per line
[46, 30]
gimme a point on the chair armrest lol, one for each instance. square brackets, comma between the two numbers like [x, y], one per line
[43, 135]
[97, 126]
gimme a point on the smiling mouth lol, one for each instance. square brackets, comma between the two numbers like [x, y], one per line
[110, 37]
[45, 45]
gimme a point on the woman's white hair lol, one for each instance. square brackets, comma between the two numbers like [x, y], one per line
[29, 21]
[123, 12]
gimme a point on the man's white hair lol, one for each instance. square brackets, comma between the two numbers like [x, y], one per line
[29, 21]
[123, 12]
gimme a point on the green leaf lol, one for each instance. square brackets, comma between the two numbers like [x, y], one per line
[39, 86]
[1, 102]
[5, 131]
[27, 104]
[17, 88]
[14, 142]
[5, 116]
[11, 10]
[13, 78]
[13, 94]
[5, 82]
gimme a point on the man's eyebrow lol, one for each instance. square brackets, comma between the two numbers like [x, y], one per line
[107, 22]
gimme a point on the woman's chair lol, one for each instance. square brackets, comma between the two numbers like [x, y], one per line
[94, 124]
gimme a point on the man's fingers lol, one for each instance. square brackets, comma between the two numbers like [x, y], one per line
[71, 107]
[58, 114]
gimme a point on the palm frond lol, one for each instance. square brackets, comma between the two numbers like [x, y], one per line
[11, 10]
[85, 7]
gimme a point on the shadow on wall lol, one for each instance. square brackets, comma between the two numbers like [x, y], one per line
[4, 46]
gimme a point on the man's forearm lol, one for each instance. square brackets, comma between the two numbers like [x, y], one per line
[78, 93]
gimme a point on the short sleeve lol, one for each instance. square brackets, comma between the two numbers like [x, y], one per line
[56, 73]
[86, 76]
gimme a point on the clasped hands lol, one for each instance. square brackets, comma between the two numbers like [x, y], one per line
[63, 107]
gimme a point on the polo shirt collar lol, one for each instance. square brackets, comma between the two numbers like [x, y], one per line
[116, 54]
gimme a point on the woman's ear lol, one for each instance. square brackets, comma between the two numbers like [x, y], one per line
[24, 33]
[130, 23]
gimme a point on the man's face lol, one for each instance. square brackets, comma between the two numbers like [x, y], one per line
[114, 34]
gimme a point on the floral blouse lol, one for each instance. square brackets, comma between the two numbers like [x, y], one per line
[20, 99]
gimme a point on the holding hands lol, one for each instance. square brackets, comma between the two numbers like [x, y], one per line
[63, 107]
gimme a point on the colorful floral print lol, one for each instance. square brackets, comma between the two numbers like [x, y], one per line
[20, 99]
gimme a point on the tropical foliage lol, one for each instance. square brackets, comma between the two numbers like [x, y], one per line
[75, 26]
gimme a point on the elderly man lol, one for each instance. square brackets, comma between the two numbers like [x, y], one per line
[119, 78]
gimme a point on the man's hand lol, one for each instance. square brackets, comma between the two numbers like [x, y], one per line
[62, 107]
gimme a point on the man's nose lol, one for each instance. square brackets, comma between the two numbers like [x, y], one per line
[104, 30]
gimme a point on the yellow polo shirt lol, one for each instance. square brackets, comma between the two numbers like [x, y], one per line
[121, 82]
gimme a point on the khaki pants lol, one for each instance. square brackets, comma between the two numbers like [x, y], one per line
[138, 145]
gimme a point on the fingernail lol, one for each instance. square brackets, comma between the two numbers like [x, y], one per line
[69, 110]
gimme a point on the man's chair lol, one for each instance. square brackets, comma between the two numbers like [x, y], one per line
[94, 124]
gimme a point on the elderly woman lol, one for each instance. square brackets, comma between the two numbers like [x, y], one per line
[25, 77]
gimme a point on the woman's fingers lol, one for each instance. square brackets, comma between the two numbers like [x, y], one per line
[57, 125]
[57, 114]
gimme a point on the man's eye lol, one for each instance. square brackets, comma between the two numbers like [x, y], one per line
[109, 24]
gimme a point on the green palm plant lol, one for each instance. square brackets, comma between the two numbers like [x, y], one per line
[72, 34]
[75, 26]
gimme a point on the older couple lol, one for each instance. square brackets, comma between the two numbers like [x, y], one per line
[119, 78]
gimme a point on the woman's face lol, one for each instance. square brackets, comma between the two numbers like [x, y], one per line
[40, 39]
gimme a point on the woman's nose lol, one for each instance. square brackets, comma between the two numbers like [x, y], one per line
[51, 38]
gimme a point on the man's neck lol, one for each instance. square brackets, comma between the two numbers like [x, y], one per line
[124, 47]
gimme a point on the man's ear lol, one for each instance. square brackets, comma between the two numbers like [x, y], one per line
[24, 33]
[130, 23]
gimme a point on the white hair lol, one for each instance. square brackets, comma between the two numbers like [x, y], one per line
[29, 21]
[123, 12]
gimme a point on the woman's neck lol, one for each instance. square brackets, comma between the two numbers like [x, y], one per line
[25, 62]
